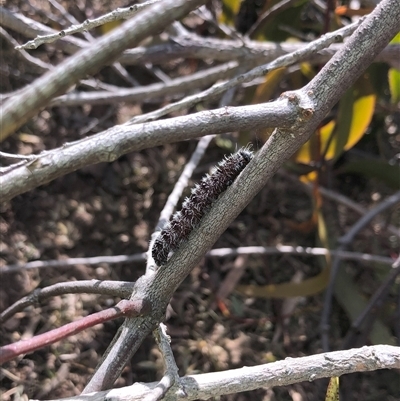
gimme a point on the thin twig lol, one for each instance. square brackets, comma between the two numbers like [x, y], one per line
[217, 253]
[12, 156]
[116, 66]
[340, 198]
[95, 260]
[256, 72]
[171, 376]
[35, 64]
[105, 50]
[344, 200]
[344, 242]
[124, 308]
[173, 87]
[190, 46]
[112, 143]
[30, 28]
[268, 15]
[281, 373]
[121, 289]
[311, 104]
[115, 15]
[365, 220]
[371, 310]
[204, 13]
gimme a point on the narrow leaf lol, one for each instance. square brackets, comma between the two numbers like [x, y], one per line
[332, 393]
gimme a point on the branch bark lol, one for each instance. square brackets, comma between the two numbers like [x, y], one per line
[123, 308]
[25, 176]
[309, 105]
[17, 110]
[281, 373]
[116, 141]
[218, 253]
[122, 289]
[189, 47]
[115, 15]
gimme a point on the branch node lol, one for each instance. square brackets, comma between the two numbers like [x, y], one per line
[338, 38]
[34, 296]
[135, 308]
[292, 97]
[307, 113]
[312, 377]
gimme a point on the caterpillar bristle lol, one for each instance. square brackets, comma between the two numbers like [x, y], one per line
[198, 203]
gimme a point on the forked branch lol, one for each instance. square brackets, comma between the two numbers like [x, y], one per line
[310, 105]
[281, 373]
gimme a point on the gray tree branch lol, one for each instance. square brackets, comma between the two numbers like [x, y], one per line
[189, 47]
[122, 289]
[217, 253]
[310, 105]
[281, 373]
[41, 170]
[118, 140]
[115, 15]
[18, 109]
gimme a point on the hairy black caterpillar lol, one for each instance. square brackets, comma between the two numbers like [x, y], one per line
[198, 203]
